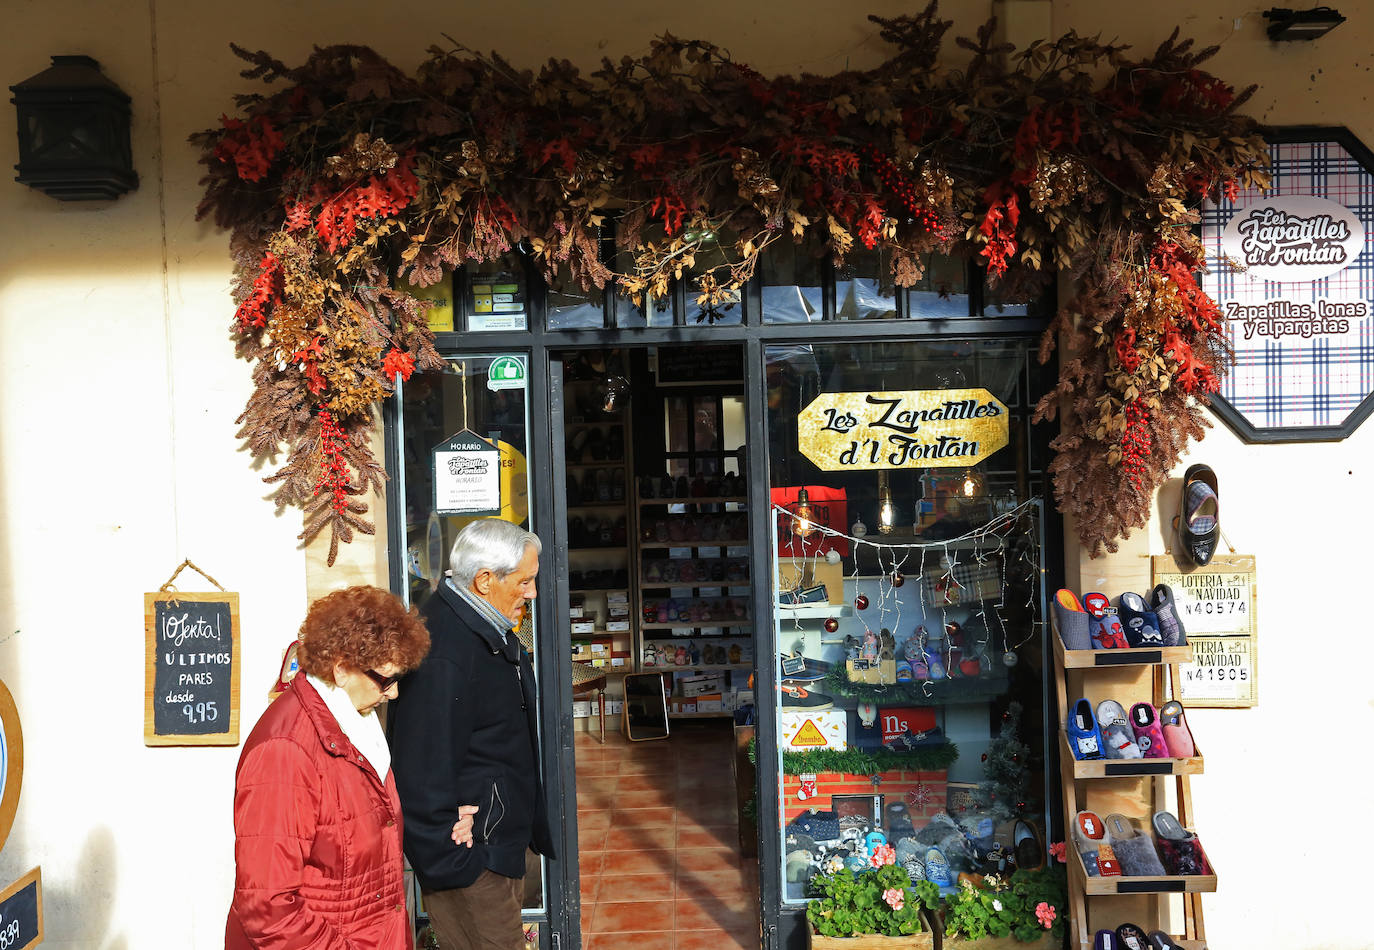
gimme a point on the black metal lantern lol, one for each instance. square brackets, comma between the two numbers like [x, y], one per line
[74, 132]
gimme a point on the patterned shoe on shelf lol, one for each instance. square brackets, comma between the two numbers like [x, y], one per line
[1166, 612]
[1148, 735]
[1138, 621]
[1176, 732]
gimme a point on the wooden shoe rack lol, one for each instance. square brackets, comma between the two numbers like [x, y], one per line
[1128, 786]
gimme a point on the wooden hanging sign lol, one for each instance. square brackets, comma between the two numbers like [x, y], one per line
[191, 684]
[21, 912]
[1217, 605]
[11, 762]
[933, 428]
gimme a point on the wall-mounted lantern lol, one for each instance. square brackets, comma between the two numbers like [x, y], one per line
[74, 132]
[1287, 24]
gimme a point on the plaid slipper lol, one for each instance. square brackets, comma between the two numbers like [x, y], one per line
[1138, 621]
[1166, 612]
[1199, 522]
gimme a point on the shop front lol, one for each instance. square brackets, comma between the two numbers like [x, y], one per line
[793, 583]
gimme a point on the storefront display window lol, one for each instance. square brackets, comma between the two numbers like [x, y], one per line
[906, 563]
[465, 444]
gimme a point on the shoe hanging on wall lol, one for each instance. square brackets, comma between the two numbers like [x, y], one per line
[1199, 519]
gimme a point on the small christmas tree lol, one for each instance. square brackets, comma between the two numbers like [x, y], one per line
[1002, 794]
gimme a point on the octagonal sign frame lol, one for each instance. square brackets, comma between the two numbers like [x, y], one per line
[1300, 310]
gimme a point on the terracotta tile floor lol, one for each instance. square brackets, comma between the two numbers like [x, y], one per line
[659, 844]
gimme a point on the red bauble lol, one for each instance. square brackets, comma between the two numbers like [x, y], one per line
[861, 602]
[1020, 806]
[985, 756]
[898, 579]
[831, 625]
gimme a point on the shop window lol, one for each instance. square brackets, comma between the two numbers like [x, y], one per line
[570, 307]
[942, 290]
[864, 289]
[906, 567]
[792, 282]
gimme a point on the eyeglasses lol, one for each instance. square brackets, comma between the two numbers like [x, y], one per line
[384, 683]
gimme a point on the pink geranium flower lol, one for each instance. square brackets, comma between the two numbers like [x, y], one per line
[895, 897]
[883, 854]
[1057, 849]
[1045, 914]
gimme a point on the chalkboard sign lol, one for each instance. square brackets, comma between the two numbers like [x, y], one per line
[686, 365]
[21, 913]
[192, 683]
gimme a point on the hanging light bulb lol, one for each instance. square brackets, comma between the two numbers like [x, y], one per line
[887, 512]
[616, 389]
[803, 519]
[973, 484]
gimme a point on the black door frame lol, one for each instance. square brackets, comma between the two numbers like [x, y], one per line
[782, 925]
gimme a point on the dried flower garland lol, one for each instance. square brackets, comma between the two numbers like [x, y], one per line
[1067, 156]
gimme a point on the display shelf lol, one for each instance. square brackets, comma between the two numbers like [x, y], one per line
[1075, 670]
[723, 714]
[694, 624]
[693, 667]
[1123, 768]
[1135, 656]
[1166, 884]
[718, 543]
[711, 500]
[813, 611]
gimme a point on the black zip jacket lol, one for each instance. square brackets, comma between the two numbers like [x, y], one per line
[463, 732]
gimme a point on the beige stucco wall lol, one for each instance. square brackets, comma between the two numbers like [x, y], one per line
[118, 458]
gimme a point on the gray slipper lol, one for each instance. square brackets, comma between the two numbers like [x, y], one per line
[1135, 851]
[1072, 621]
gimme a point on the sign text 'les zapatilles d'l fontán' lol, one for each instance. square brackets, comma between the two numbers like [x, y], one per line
[935, 428]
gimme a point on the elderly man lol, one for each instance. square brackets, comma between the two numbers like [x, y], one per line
[463, 734]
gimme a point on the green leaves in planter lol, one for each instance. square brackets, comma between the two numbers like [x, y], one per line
[1019, 907]
[870, 762]
[880, 901]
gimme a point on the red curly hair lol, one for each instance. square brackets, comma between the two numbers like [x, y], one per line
[363, 628]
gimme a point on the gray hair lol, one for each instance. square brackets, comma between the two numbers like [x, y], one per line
[489, 544]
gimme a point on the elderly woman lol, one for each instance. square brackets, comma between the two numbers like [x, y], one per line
[317, 822]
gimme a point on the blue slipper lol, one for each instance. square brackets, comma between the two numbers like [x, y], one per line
[1085, 739]
[1106, 940]
[937, 868]
[903, 671]
[1140, 624]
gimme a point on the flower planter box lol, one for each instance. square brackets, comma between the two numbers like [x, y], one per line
[924, 941]
[999, 943]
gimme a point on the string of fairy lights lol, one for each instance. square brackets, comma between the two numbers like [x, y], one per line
[935, 564]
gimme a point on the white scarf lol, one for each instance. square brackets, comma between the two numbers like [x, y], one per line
[362, 729]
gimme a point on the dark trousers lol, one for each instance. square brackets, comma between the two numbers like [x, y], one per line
[483, 916]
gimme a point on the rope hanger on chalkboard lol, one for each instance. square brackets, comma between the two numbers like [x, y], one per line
[185, 564]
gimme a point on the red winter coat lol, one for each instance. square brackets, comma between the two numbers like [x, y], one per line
[317, 838]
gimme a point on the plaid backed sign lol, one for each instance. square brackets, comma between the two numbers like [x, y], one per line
[1292, 269]
[964, 584]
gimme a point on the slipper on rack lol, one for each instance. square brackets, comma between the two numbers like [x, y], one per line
[1166, 611]
[1148, 735]
[1138, 621]
[1106, 940]
[1072, 621]
[933, 664]
[1118, 739]
[1177, 735]
[903, 671]
[1132, 937]
[1199, 519]
[1104, 627]
[1085, 739]
[1090, 836]
[1135, 851]
[1179, 849]
[1159, 940]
